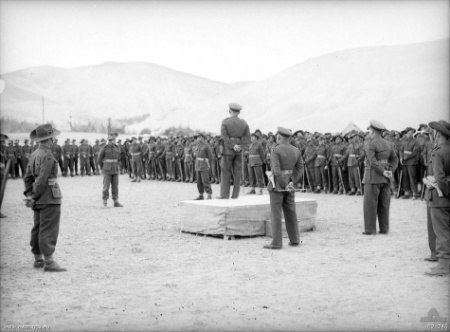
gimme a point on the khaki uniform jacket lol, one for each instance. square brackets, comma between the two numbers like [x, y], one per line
[286, 165]
[108, 159]
[380, 157]
[203, 158]
[234, 131]
[40, 177]
[440, 161]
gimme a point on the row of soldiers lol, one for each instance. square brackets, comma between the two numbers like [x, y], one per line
[331, 163]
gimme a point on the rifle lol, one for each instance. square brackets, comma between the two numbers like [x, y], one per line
[341, 180]
[400, 183]
[161, 169]
[359, 179]
[219, 170]
[307, 177]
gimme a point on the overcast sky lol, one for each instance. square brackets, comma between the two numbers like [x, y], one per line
[221, 40]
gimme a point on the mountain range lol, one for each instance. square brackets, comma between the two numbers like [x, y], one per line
[400, 85]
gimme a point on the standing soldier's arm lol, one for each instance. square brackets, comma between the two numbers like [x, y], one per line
[28, 179]
[44, 170]
[439, 174]
[298, 169]
[393, 161]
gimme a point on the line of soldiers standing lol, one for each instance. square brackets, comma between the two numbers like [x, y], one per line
[331, 163]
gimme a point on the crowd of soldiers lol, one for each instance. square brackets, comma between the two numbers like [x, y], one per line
[331, 163]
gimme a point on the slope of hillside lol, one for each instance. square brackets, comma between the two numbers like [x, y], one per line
[399, 85]
[102, 91]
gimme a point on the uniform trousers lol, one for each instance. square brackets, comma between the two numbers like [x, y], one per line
[110, 180]
[44, 233]
[440, 217]
[203, 184]
[136, 164]
[409, 181]
[256, 176]
[431, 234]
[84, 165]
[319, 176]
[283, 201]
[231, 164]
[377, 199]
[354, 180]
[189, 170]
[68, 165]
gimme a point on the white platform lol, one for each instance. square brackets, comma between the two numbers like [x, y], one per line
[245, 216]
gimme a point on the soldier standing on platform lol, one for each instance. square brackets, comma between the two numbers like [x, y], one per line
[108, 160]
[236, 136]
[43, 196]
[380, 163]
[286, 170]
[255, 165]
[439, 197]
[202, 166]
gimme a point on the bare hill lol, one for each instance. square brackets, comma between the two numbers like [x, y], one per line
[399, 85]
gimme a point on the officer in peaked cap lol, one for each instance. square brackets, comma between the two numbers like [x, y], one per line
[380, 162]
[286, 166]
[43, 196]
[235, 133]
[438, 196]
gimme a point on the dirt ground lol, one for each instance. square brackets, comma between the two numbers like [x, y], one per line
[130, 269]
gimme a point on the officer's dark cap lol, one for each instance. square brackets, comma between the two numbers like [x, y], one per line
[284, 132]
[235, 107]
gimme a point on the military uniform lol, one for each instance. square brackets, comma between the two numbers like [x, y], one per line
[68, 158]
[160, 159]
[188, 162]
[409, 155]
[26, 154]
[75, 154]
[96, 152]
[203, 161]
[320, 162]
[11, 155]
[335, 161]
[234, 131]
[255, 166]
[286, 168]
[309, 156]
[44, 197]
[136, 160]
[84, 151]
[379, 157]
[108, 160]
[152, 168]
[439, 203]
[352, 155]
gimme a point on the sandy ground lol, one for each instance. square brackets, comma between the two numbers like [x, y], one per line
[130, 269]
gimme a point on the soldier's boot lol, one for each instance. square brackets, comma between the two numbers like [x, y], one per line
[442, 269]
[358, 192]
[199, 198]
[252, 192]
[134, 180]
[406, 195]
[260, 191]
[117, 204]
[138, 179]
[51, 266]
[209, 196]
[105, 202]
[318, 190]
[335, 191]
[351, 192]
[432, 257]
[325, 189]
[38, 261]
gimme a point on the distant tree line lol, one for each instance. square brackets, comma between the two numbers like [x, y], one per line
[9, 125]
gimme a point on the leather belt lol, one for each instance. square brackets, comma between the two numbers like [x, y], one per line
[407, 152]
[337, 155]
[286, 172]
[320, 156]
[254, 155]
[352, 155]
[201, 159]
[136, 154]
[110, 160]
[383, 161]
